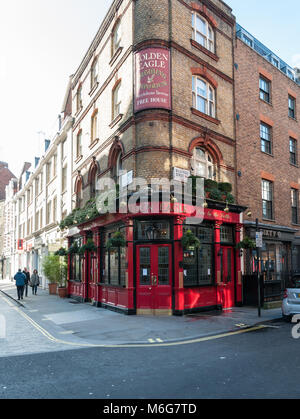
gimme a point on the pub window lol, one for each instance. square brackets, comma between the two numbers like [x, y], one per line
[227, 234]
[203, 97]
[264, 89]
[292, 107]
[76, 263]
[203, 32]
[266, 138]
[114, 263]
[267, 199]
[295, 206]
[198, 266]
[293, 151]
[156, 230]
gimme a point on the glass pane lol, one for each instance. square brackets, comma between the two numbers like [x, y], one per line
[201, 25]
[201, 88]
[226, 234]
[205, 234]
[153, 230]
[163, 266]
[229, 266]
[114, 267]
[201, 104]
[145, 266]
[205, 264]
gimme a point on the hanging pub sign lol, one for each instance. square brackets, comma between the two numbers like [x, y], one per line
[20, 244]
[152, 79]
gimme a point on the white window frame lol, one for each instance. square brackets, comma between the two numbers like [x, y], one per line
[207, 162]
[209, 104]
[208, 38]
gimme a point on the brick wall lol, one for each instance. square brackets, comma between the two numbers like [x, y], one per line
[252, 162]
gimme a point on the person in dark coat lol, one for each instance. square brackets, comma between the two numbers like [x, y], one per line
[20, 282]
[34, 281]
[27, 280]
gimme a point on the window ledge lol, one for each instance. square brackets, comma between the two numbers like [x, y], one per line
[296, 225]
[93, 89]
[115, 56]
[207, 117]
[92, 145]
[294, 165]
[116, 120]
[268, 219]
[206, 51]
[78, 112]
[266, 102]
[78, 159]
[268, 154]
[293, 119]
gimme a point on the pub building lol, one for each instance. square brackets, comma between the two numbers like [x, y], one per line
[154, 98]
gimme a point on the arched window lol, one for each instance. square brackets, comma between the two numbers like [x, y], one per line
[94, 123]
[94, 73]
[203, 164]
[203, 32]
[78, 190]
[204, 99]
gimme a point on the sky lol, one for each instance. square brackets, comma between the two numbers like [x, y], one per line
[42, 43]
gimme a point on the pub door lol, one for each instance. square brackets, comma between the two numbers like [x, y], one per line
[154, 279]
[228, 278]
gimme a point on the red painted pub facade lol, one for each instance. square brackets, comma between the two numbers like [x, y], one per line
[153, 274]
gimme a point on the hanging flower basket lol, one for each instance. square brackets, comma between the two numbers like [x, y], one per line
[247, 243]
[189, 241]
[117, 240]
[74, 249]
[88, 247]
[61, 252]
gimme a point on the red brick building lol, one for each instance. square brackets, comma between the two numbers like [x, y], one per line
[267, 95]
[154, 96]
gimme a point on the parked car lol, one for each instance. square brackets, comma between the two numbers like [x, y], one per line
[291, 299]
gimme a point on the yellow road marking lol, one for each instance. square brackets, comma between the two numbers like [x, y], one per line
[145, 345]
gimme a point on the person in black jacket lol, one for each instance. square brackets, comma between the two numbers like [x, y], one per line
[27, 274]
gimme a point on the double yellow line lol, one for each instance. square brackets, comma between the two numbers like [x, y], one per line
[135, 345]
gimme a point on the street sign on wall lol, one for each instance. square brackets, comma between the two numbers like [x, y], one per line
[152, 79]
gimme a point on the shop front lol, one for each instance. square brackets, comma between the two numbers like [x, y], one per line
[153, 274]
[276, 263]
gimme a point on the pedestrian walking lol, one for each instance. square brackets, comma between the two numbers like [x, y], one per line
[27, 280]
[34, 281]
[20, 282]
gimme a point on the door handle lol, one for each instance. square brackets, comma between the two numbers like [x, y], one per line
[155, 280]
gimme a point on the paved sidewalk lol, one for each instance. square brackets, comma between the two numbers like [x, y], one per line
[67, 320]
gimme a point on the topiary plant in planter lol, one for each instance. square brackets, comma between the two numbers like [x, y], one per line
[189, 241]
[215, 195]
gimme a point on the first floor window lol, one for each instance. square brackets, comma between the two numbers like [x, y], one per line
[203, 164]
[295, 206]
[203, 97]
[94, 122]
[79, 144]
[265, 137]
[267, 199]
